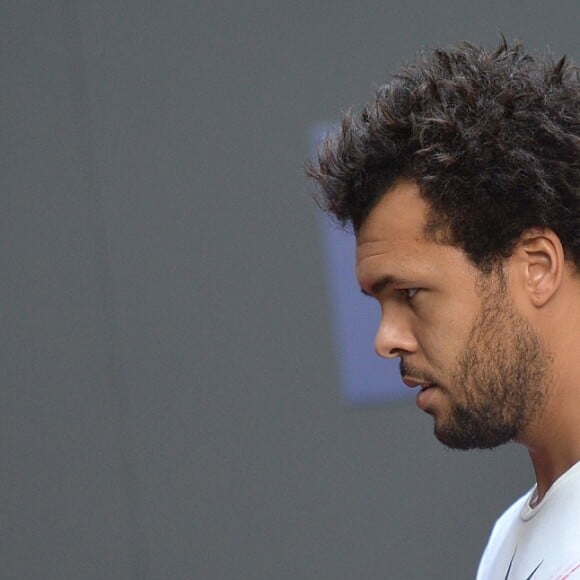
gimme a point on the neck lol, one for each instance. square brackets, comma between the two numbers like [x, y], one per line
[554, 442]
[553, 438]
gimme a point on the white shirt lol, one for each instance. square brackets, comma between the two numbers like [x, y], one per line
[540, 542]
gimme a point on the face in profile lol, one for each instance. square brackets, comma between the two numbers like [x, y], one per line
[480, 367]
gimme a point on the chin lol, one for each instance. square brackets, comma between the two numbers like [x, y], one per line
[463, 438]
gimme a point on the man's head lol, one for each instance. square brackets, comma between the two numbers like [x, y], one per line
[482, 367]
[462, 182]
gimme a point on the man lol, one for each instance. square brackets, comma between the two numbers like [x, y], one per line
[461, 181]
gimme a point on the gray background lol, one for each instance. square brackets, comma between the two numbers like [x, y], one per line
[169, 392]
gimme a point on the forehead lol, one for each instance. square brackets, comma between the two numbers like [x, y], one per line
[392, 239]
[399, 217]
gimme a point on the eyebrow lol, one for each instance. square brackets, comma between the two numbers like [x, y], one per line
[383, 282]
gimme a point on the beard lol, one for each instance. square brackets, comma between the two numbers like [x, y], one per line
[499, 384]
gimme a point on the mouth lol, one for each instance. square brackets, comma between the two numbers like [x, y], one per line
[427, 395]
[413, 383]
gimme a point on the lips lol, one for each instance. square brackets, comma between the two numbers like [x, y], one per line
[412, 383]
[427, 395]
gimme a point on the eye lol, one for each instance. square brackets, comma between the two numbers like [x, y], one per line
[409, 293]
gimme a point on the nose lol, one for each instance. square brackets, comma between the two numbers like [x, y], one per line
[394, 338]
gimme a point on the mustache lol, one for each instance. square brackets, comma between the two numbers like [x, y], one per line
[408, 370]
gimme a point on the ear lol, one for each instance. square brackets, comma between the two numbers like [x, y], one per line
[541, 263]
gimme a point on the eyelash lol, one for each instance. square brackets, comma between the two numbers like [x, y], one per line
[409, 293]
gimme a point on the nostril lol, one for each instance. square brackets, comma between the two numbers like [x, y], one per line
[392, 341]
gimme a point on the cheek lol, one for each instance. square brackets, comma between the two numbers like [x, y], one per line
[443, 337]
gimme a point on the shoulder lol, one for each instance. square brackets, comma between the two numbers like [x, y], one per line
[503, 540]
[546, 537]
[511, 517]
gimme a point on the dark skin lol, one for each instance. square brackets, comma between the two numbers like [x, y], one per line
[507, 346]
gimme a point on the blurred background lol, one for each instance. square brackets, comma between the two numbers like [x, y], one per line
[170, 400]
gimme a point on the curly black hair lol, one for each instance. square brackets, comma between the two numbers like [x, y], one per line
[491, 137]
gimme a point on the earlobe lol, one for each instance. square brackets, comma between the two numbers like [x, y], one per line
[544, 263]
